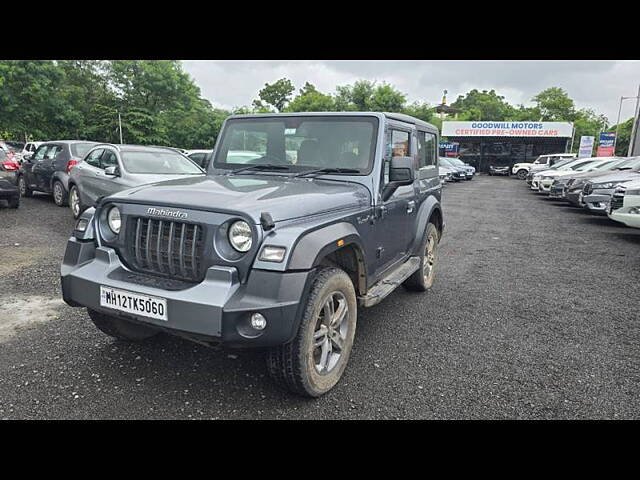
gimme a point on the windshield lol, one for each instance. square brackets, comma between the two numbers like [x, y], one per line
[580, 166]
[158, 162]
[456, 162]
[562, 163]
[629, 164]
[299, 143]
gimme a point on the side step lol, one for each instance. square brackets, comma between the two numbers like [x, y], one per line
[388, 284]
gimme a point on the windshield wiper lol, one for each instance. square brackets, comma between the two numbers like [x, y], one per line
[266, 166]
[327, 170]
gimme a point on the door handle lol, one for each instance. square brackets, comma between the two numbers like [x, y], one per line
[410, 206]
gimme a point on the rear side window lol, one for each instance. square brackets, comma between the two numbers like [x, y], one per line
[52, 152]
[427, 153]
[41, 152]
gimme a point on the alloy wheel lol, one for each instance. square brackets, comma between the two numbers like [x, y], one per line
[330, 334]
[430, 259]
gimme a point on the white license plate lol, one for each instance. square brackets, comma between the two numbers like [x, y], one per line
[134, 303]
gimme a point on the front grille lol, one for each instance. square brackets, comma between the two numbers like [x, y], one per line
[167, 248]
[587, 189]
[617, 201]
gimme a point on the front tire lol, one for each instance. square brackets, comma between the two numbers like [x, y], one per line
[60, 194]
[120, 329]
[422, 279]
[313, 362]
[75, 203]
[522, 174]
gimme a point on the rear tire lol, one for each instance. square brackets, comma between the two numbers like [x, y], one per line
[422, 279]
[313, 362]
[121, 329]
[60, 195]
[25, 191]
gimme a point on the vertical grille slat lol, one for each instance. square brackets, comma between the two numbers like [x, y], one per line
[167, 248]
[194, 269]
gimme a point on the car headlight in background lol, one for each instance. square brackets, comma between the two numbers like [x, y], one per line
[113, 220]
[240, 236]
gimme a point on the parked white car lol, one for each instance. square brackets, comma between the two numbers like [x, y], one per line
[521, 169]
[568, 167]
[625, 204]
[547, 179]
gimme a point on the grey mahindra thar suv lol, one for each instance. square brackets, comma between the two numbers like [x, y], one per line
[300, 220]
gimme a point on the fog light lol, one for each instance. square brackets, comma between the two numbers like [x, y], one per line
[258, 321]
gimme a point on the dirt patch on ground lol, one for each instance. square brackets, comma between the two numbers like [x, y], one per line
[22, 313]
[16, 257]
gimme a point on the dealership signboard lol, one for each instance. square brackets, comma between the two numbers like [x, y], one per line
[507, 129]
[586, 147]
[450, 149]
[606, 145]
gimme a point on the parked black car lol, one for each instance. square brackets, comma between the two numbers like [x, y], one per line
[47, 170]
[10, 193]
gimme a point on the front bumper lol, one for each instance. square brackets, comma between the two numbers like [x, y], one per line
[598, 202]
[622, 215]
[557, 192]
[216, 310]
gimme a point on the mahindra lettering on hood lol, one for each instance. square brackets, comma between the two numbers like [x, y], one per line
[507, 129]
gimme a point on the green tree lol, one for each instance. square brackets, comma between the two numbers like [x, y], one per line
[311, 100]
[484, 105]
[423, 111]
[624, 136]
[276, 94]
[555, 105]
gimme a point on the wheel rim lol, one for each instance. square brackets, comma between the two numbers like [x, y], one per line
[75, 204]
[522, 175]
[330, 334]
[57, 193]
[429, 259]
[23, 187]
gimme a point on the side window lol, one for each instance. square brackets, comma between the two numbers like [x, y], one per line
[427, 150]
[399, 143]
[52, 152]
[109, 159]
[42, 150]
[94, 158]
[198, 158]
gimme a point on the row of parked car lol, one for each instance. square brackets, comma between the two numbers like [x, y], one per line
[76, 173]
[602, 185]
[454, 170]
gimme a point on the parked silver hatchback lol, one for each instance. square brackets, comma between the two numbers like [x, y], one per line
[110, 168]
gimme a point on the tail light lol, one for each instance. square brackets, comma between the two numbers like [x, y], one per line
[10, 165]
[70, 165]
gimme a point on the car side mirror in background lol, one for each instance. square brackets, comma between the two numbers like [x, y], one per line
[112, 171]
[28, 156]
[400, 173]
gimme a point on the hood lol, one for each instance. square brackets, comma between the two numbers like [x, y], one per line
[281, 196]
[144, 178]
[589, 175]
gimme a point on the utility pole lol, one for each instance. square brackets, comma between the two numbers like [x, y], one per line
[120, 126]
[634, 129]
[615, 140]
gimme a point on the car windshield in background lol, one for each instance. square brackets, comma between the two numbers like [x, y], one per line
[632, 163]
[561, 163]
[80, 149]
[299, 143]
[158, 162]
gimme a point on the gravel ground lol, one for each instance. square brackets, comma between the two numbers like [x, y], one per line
[534, 314]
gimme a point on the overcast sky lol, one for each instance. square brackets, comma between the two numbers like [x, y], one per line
[592, 84]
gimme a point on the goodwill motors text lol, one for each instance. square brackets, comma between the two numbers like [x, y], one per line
[511, 129]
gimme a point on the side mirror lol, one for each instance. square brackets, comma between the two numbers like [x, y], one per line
[112, 171]
[27, 156]
[400, 173]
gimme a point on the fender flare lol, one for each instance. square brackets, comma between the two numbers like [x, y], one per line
[315, 245]
[428, 207]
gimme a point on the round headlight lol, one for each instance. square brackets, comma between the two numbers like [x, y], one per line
[240, 236]
[113, 219]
